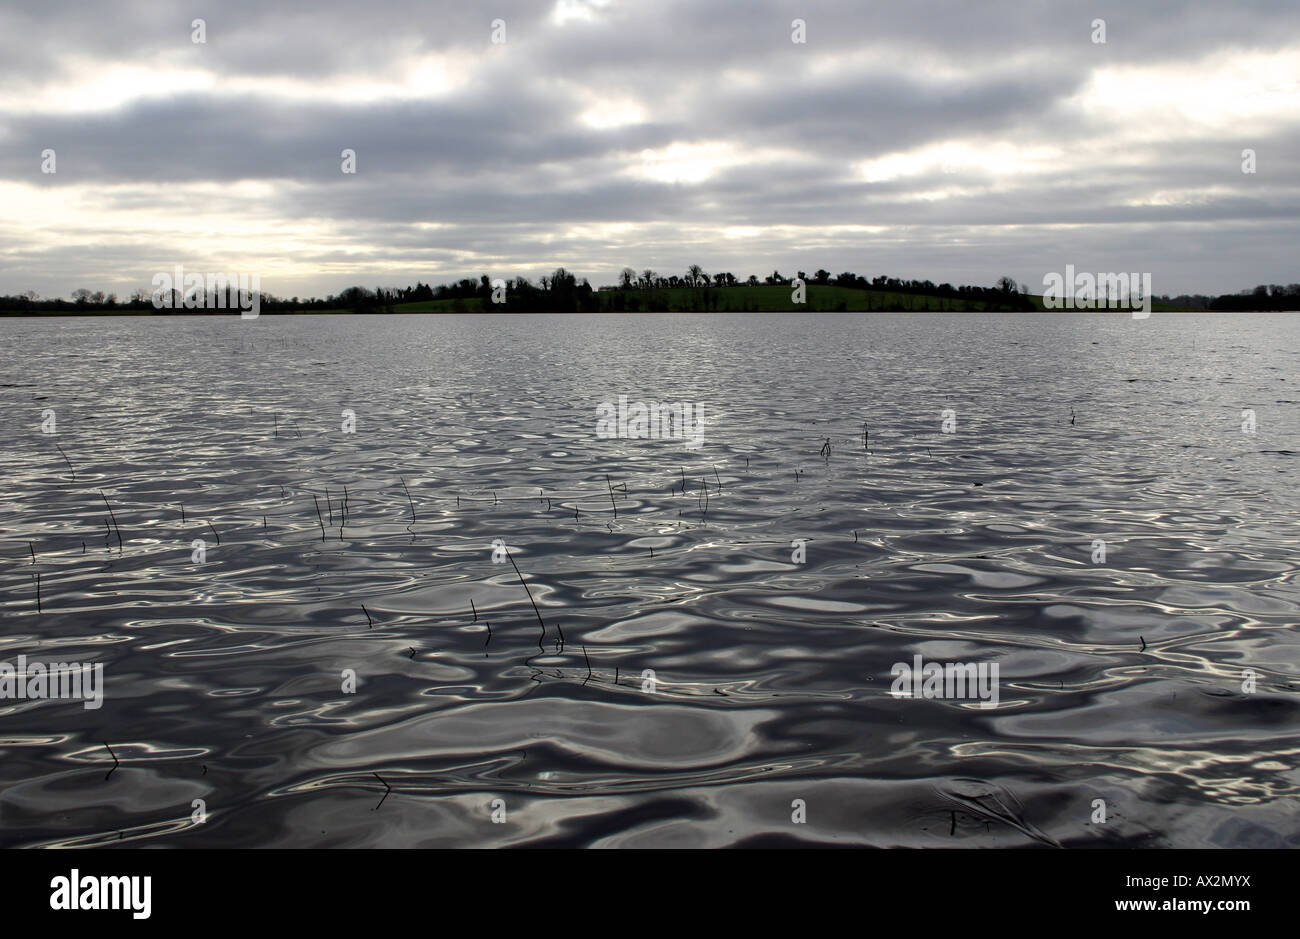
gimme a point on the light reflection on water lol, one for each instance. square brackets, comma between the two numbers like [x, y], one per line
[772, 677]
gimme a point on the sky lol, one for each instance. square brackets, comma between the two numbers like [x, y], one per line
[950, 141]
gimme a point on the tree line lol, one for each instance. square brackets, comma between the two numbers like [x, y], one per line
[562, 291]
[1264, 297]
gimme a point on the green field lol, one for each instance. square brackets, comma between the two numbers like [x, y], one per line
[472, 305]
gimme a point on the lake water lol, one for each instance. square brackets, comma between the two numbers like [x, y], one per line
[719, 624]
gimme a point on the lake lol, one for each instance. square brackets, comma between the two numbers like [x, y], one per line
[363, 581]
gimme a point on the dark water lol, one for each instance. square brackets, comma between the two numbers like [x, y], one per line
[223, 678]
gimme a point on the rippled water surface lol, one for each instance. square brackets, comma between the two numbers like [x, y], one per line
[1120, 679]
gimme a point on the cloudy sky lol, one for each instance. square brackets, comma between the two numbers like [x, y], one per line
[956, 141]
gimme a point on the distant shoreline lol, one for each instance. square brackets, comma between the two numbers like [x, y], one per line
[98, 314]
[562, 293]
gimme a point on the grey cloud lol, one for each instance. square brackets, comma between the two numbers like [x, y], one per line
[504, 162]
